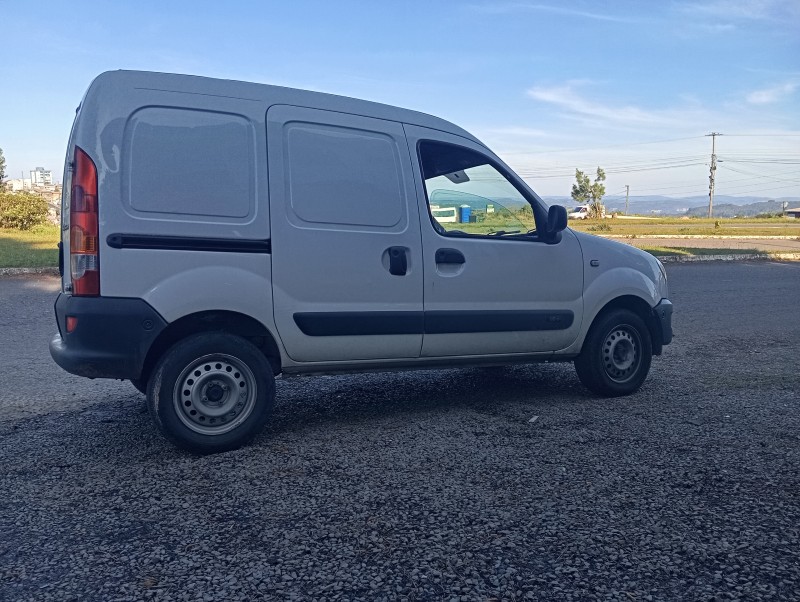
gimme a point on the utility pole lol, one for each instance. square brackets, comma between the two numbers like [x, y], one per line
[627, 190]
[713, 172]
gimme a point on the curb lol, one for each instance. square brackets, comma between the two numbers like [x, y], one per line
[731, 257]
[697, 236]
[28, 271]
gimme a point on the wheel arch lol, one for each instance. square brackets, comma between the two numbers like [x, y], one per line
[642, 309]
[231, 322]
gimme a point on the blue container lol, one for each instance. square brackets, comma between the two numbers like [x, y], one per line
[464, 213]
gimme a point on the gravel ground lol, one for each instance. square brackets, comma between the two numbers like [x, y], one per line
[430, 485]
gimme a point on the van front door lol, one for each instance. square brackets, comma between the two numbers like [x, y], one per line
[346, 249]
[493, 285]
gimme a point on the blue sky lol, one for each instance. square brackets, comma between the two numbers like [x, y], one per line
[551, 86]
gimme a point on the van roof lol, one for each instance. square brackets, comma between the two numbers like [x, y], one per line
[113, 82]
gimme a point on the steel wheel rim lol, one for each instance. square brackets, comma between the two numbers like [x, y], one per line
[214, 394]
[622, 353]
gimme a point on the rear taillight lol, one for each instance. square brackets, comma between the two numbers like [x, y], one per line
[83, 232]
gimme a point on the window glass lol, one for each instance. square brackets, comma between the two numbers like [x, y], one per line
[467, 195]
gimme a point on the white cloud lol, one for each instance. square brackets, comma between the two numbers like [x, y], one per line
[771, 95]
[567, 99]
[516, 7]
[522, 132]
[717, 27]
[742, 9]
[758, 10]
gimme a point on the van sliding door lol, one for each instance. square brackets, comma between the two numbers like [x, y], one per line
[346, 249]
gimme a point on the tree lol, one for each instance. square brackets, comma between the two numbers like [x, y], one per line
[2, 168]
[22, 210]
[584, 191]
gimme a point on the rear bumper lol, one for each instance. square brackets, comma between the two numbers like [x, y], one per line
[111, 339]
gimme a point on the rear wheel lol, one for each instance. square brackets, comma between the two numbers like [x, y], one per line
[211, 392]
[616, 354]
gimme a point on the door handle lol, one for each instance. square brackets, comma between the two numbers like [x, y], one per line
[398, 261]
[449, 256]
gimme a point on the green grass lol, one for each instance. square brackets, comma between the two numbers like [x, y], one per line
[35, 248]
[694, 251]
[688, 226]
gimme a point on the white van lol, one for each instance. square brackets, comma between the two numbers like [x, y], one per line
[216, 234]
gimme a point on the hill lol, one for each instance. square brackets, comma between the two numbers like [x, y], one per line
[724, 206]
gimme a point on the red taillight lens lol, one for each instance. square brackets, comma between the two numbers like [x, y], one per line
[84, 231]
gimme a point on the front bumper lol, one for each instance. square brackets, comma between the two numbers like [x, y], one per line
[662, 315]
[111, 338]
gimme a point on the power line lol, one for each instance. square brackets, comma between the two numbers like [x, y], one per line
[545, 173]
[759, 187]
[763, 177]
[767, 161]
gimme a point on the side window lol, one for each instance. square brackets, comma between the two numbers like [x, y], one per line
[467, 195]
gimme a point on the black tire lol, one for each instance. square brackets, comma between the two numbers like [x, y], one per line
[140, 384]
[616, 354]
[211, 392]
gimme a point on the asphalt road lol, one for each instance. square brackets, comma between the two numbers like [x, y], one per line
[429, 485]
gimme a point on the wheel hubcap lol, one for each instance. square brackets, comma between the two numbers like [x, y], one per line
[621, 356]
[214, 394]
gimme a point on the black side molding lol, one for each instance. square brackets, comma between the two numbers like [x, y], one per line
[443, 322]
[351, 323]
[356, 323]
[188, 243]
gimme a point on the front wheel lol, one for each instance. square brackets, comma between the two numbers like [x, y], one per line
[616, 354]
[211, 392]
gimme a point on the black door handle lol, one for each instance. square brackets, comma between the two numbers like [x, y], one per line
[449, 256]
[398, 262]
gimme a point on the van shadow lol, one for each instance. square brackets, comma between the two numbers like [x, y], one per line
[120, 430]
[304, 403]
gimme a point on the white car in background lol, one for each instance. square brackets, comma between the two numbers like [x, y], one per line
[581, 212]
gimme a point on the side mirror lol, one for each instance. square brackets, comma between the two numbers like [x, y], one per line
[556, 223]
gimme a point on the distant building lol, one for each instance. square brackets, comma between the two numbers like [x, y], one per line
[19, 184]
[795, 213]
[41, 177]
